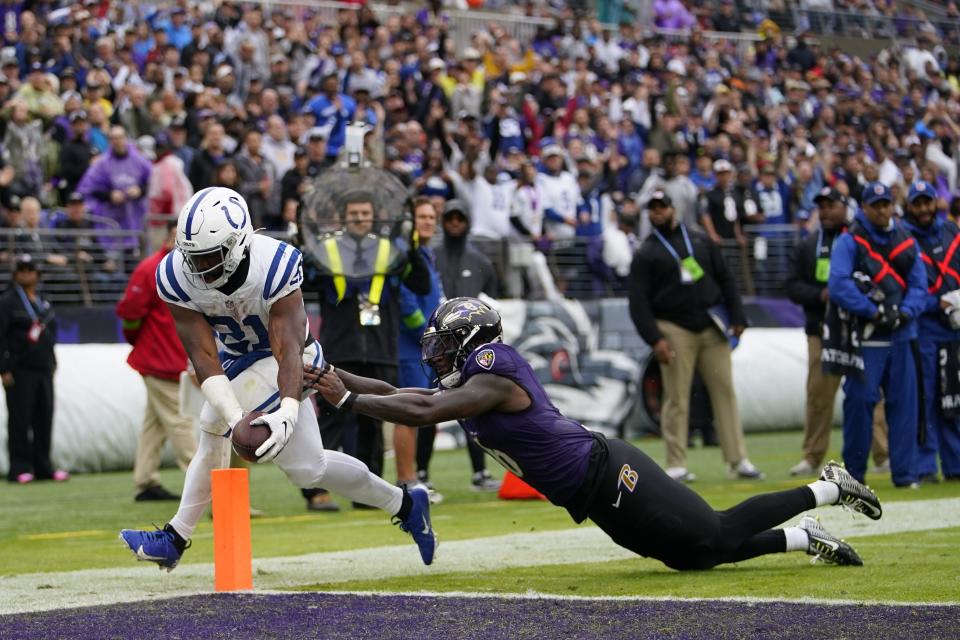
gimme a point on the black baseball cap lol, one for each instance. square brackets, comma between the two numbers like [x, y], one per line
[831, 194]
[75, 197]
[659, 197]
[25, 262]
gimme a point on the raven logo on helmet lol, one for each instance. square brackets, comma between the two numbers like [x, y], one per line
[213, 234]
[456, 328]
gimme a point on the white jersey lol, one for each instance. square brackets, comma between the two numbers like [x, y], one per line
[240, 319]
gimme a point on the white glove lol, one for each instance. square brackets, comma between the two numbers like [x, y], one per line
[952, 298]
[281, 423]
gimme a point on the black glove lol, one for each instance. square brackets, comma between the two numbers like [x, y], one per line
[889, 318]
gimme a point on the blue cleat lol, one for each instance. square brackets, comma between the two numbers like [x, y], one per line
[153, 546]
[418, 524]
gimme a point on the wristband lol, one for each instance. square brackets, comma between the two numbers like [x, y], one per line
[347, 400]
[219, 393]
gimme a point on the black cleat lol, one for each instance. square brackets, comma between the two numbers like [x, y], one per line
[854, 495]
[823, 546]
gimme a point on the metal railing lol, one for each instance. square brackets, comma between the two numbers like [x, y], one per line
[859, 25]
[463, 24]
[572, 268]
[88, 267]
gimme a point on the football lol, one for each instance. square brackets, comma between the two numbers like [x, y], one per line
[247, 438]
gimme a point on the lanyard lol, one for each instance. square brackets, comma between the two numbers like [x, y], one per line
[819, 240]
[31, 311]
[673, 252]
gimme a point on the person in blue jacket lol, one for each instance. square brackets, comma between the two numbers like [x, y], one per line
[877, 248]
[414, 311]
[939, 332]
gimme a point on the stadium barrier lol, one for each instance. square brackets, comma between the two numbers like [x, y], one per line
[587, 354]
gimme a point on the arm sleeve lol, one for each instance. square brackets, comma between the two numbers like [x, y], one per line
[798, 289]
[639, 294]
[915, 302]
[135, 303]
[728, 285]
[410, 313]
[5, 312]
[285, 275]
[843, 291]
[416, 274]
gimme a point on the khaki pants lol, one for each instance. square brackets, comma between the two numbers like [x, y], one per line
[162, 421]
[821, 395]
[709, 352]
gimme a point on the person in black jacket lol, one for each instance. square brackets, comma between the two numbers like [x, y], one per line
[360, 332]
[464, 270]
[75, 155]
[680, 292]
[807, 286]
[28, 332]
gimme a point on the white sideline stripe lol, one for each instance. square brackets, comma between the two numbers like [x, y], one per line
[537, 595]
[89, 587]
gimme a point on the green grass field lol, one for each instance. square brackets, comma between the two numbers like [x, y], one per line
[59, 527]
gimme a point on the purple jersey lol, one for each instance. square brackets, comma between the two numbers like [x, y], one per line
[549, 451]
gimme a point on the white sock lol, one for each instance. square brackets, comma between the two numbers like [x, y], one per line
[797, 539]
[825, 493]
[350, 478]
[213, 452]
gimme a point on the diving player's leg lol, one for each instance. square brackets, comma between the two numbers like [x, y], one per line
[166, 546]
[309, 465]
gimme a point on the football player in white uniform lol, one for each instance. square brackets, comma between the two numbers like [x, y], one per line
[246, 288]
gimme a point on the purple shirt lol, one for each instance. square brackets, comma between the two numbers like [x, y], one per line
[547, 450]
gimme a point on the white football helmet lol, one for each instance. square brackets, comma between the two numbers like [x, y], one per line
[213, 232]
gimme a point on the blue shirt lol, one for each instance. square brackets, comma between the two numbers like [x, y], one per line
[415, 309]
[334, 120]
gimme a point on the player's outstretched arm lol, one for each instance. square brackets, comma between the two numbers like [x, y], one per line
[358, 384]
[480, 394]
[287, 328]
[197, 339]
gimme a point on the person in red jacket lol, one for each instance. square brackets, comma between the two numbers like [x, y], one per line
[160, 358]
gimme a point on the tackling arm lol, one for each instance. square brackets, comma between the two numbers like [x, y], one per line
[358, 384]
[480, 394]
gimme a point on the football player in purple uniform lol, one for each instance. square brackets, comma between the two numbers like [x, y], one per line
[493, 393]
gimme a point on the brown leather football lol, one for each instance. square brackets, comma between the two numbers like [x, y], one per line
[247, 438]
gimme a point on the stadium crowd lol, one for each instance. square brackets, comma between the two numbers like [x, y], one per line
[556, 141]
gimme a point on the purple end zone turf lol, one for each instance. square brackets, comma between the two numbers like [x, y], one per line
[319, 615]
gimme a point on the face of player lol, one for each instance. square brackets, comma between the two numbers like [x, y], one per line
[359, 218]
[879, 213]
[923, 210]
[425, 220]
[437, 352]
[208, 265]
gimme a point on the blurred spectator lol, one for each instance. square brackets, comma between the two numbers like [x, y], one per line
[684, 303]
[168, 189]
[28, 333]
[22, 147]
[81, 243]
[30, 238]
[159, 357]
[210, 155]
[115, 185]
[277, 147]
[294, 184]
[75, 154]
[724, 207]
[332, 111]
[259, 183]
[561, 194]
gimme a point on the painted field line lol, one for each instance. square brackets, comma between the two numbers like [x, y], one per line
[44, 591]
[536, 595]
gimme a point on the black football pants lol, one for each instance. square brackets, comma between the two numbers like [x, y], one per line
[664, 519]
[30, 423]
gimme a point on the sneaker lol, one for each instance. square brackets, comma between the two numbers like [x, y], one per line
[883, 467]
[745, 470]
[24, 478]
[483, 481]
[826, 547]
[322, 502]
[680, 474]
[154, 546]
[418, 524]
[154, 494]
[60, 476]
[929, 478]
[853, 494]
[909, 485]
[802, 468]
